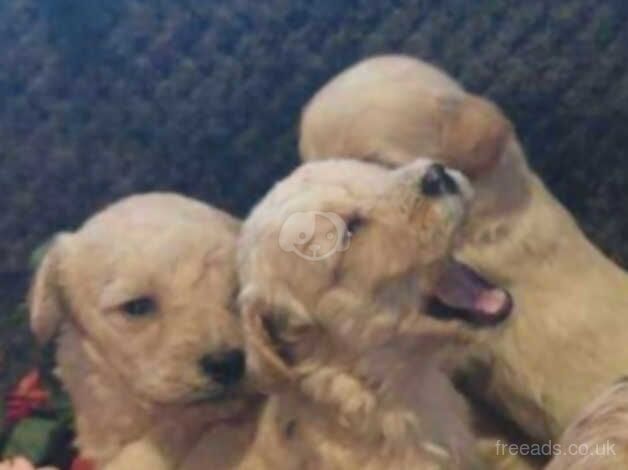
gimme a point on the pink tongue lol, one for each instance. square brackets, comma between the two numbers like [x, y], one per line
[460, 287]
[491, 301]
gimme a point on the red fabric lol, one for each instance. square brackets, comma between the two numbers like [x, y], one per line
[81, 463]
[27, 396]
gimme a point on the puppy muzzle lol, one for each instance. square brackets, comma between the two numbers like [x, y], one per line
[225, 368]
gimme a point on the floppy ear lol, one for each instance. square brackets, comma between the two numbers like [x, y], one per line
[270, 337]
[474, 134]
[46, 304]
[262, 349]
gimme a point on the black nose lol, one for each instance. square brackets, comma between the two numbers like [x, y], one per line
[226, 367]
[437, 182]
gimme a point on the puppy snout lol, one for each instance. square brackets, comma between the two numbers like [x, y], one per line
[437, 182]
[226, 368]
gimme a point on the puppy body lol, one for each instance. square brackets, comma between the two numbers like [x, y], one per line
[356, 372]
[373, 407]
[136, 298]
[570, 298]
[567, 342]
[598, 438]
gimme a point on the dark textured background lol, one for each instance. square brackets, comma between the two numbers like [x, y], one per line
[102, 98]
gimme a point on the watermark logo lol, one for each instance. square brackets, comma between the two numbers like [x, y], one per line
[314, 235]
[549, 449]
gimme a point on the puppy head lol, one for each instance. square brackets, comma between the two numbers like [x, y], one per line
[389, 110]
[474, 134]
[147, 285]
[302, 270]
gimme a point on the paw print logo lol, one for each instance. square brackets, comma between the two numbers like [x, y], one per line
[314, 235]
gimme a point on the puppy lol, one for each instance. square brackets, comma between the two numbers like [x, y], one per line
[598, 437]
[337, 264]
[567, 343]
[139, 301]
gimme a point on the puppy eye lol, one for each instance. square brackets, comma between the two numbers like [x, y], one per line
[139, 307]
[354, 224]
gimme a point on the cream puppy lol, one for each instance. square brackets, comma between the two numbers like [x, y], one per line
[139, 300]
[569, 341]
[337, 265]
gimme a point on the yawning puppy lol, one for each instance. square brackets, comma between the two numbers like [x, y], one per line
[569, 341]
[339, 264]
[139, 300]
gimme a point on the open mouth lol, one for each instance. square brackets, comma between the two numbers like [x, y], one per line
[462, 293]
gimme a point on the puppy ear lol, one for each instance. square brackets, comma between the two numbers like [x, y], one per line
[263, 349]
[474, 134]
[270, 337]
[46, 304]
